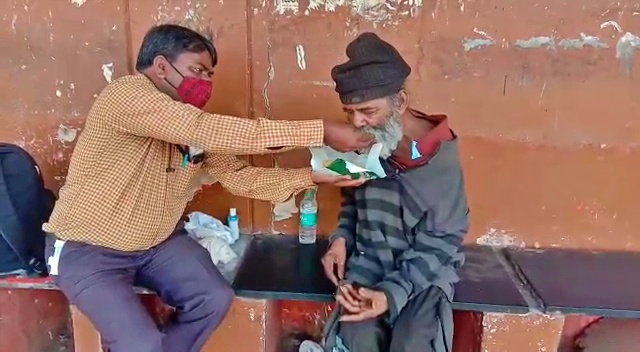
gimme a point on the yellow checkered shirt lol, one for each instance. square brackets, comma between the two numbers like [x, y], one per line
[119, 192]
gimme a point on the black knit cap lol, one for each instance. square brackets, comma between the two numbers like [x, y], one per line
[375, 69]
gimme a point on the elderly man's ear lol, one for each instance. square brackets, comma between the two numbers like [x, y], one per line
[403, 100]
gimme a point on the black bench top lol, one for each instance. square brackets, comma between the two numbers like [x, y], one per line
[583, 282]
[492, 279]
[280, 268]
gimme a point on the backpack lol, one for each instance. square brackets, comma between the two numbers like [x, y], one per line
[25, 204]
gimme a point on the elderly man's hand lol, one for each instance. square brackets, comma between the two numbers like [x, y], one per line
[320, 178]
[344, 137]
[334, 260]
[371, 305]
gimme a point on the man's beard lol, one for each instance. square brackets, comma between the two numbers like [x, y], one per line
[388, 135]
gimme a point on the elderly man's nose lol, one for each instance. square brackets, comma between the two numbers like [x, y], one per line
[359, 121]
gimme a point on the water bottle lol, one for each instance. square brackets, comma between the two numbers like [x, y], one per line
[308, 218]
[232, 222]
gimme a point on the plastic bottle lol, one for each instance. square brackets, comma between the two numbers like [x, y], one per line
[308, 218]
[232, 221]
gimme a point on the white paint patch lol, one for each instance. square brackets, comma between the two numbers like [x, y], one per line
[58, 93]
[613, 24]
[271, 74]
[78, 3]
[499, 238]
[107, 72]
[625, 50]
[470, 44]
[535, 42]
[316, 83]
[302, 64]
[284, 6]
[66, 134]
[13, 23]
[383, 12]
[584, 40]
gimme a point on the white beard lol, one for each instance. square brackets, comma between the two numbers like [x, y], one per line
[388, 135]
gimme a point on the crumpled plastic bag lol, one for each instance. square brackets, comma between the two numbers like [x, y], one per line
[213, 235]
[328, 160]
[310, 346]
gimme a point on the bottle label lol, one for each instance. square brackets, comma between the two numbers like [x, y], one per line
[308, 219]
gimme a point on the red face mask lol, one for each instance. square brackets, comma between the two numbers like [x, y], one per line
[194, 91]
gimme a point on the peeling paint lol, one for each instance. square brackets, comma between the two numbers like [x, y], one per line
[613, 24]
[283, 6]
[66, 134]
[316, 83]
[584, 40]
[535, 42]
[625, 50]
[285, 210]
[107, 72]
[78, 3]
[302, 63]
[470, 44]
[383, 12]
[271, 74]
[499, 238]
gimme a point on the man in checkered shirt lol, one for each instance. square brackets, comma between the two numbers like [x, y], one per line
[145, 139]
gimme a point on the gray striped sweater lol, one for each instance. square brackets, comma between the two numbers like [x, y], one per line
[404, 232]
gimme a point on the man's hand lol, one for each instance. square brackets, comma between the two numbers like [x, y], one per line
[320, 178]
[343, 137]
[334, 260]
[349, 298]
[373, 304]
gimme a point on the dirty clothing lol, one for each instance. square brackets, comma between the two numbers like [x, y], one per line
[128, 185]
[99, 282]
[403, 235]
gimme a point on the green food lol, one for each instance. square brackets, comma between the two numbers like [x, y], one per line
[340, 166]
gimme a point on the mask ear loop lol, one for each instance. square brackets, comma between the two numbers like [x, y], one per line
[175, 69]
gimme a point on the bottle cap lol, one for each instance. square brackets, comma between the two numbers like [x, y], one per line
[232, 211]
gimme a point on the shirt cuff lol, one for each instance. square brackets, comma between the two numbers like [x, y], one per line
[301, 180]
[311, 134]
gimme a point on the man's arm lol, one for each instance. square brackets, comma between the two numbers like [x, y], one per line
[438, 237]
[242, 179]
[136, 107]
[347, 219]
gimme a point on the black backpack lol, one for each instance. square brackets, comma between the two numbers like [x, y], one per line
[25, 204]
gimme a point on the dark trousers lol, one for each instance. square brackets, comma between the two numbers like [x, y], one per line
[99, 281]
[414, 330]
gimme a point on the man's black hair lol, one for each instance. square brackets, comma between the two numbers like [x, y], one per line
[170, 40]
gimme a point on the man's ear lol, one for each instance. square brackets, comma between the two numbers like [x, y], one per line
[403, 100]
[160, 67]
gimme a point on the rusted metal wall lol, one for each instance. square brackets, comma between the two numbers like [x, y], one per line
[541, 93]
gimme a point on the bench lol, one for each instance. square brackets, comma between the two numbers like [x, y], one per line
[276, 268]
[525, 284]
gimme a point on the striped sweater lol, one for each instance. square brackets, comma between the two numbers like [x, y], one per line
[403, 232]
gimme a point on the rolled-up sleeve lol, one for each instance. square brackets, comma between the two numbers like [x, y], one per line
[269, 184]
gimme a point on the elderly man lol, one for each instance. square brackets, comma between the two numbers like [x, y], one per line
[398, 236]
[145, 138]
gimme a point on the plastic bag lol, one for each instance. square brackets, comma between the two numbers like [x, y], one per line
[330, 161]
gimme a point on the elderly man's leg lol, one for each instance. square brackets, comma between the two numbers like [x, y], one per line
[99, 282]
[183, 275]
[417, 326]
[365, 336]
